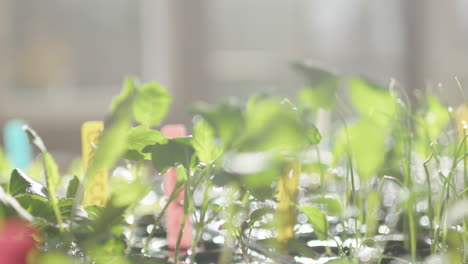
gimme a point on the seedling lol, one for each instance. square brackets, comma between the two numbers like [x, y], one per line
[388, 183]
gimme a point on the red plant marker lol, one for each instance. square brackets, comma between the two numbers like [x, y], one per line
[175, 210]
[16, 241]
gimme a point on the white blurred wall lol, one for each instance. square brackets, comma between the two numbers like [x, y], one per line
[62, 61]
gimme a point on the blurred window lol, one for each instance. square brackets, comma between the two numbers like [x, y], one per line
[81, 44]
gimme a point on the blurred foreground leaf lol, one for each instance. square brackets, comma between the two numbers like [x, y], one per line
[113, 141]
[372, 102]
[151, 104]
[138, 138]
[321, 89]
[226, 120]
[204, 142]
[365, 143]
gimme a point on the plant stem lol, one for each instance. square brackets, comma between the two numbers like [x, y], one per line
[322, 174]
[179, 237]
[430, 209]
[57, 213]
[187, 203]
[465, 169]
[408, 184]
[175, 192]
[412, 228]
[201, 222]
[355, 198]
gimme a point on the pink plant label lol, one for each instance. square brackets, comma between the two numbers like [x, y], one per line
[175, 210]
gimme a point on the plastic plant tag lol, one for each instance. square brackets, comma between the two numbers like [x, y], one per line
[17, 146]
[462, 125]
[462, 120]
[18, 241]
[96, 190]
[175, 210]
[286, 210]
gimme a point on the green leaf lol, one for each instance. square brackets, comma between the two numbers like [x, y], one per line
[372, 102]
[204, 142]
[5, 167]
[372, 213]
[307, 118]
[258, 214]
[366, 143]
[138, 138]
[73, 187]
[38, 206]
[151, 104]
[55, 258]
[298, 245]
[181, 173]
[34, 138]
[52, 174]
[455, 240]
[127, 194]
[260, 184]
[110, 216]
[430, 124]
[313, 135]
[129, 88]
[50, 167]
[321, 96]
[10, 207]
[321, 90]
[437, 116]
[274, 125]
[222, 178]
[94, 211]
[52, 179]
[226, 120]
[65, 206]
[20, 183]
[317, 219]
[177, 151]
[113, 142]
[330, 206]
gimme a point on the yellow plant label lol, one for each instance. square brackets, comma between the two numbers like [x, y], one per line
[96, 190]
[287, 195]
[462, 120]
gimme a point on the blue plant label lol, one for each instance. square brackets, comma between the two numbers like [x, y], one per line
[17, 146]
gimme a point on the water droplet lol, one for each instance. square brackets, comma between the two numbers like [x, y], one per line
[130, 219]
[383, 229]
[149, 199]
[218, 240]
[149, 228]
[424, 220]
[339, 228]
